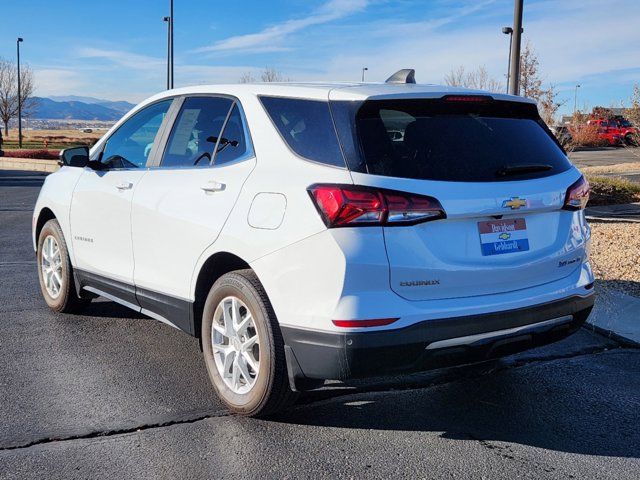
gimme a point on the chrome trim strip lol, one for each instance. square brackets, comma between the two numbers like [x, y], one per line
[157, 317]
[113, 298]
[452, 342]
[137, 308]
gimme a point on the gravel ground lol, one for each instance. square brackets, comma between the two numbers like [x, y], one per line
[615, 254]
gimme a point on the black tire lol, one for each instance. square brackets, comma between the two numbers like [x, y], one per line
[67, 301]
[631, 140]
[271, 392]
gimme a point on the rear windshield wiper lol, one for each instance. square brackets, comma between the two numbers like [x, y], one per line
[509, 170]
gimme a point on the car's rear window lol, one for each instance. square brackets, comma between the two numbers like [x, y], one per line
[306, 126]
[458, 141]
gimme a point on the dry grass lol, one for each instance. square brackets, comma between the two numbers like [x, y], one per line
[612, 191]
[41, 134]
[51, 139]
[618, 168]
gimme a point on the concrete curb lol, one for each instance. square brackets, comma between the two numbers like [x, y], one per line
[623, 212]
[616, 315]
[28, 164]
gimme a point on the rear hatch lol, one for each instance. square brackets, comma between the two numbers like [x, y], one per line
[500, 177]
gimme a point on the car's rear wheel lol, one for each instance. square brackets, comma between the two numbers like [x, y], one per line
[55, 271]
[243, 347]
[631, 140]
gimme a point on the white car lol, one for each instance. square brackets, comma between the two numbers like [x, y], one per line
[282, 225]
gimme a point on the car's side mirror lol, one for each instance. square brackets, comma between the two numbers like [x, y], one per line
[74, 157]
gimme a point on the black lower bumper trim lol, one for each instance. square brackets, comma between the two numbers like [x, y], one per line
[340, 356]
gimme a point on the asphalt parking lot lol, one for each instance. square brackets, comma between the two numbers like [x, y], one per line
[605, 156]
[112, 394]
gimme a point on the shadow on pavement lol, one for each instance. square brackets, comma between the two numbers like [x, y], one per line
[587, 404]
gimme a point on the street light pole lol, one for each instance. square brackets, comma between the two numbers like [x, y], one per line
[171, 42]
[168, 21]
[514, 58]
[364, 69]
[575, 99]
[508, 31]
[19, 96]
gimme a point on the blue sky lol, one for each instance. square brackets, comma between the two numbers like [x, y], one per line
[116, 49]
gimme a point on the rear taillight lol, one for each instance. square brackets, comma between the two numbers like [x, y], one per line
[350, 206]
[577, 195]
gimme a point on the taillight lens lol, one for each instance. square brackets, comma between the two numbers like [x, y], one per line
[577, 195]
[350, 206]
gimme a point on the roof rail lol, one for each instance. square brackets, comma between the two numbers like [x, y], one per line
[406, 75]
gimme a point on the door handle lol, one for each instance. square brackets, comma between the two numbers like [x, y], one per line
[124, 186]
[213, 186]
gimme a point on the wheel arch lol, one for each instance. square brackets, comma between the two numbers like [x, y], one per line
[212, 269]
[44, 216]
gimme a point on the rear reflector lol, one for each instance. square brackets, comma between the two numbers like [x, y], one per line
[577, 195]
[376, 322]
[350, 206]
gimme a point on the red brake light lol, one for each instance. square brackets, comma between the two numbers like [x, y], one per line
[577, 195]
[348, 205]
[377, 322]
[467, 98]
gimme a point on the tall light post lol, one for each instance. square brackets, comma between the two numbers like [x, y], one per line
[508, 31]
[514, 58]
[575, 100]
[171, 20]
[364, 69]
[168, 21]
[18, 42]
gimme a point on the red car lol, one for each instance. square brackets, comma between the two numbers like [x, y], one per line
[608, 130]
[627, 131]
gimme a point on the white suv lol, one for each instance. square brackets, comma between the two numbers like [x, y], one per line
[324, 231]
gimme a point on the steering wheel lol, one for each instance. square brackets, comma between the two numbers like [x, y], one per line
[201, 156]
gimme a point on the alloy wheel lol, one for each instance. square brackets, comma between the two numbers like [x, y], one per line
[51, 265]
[235, 344]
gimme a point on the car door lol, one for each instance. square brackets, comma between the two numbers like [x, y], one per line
[100, 213]
[180, 206]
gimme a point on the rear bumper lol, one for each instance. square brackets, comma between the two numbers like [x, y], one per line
[431, 343]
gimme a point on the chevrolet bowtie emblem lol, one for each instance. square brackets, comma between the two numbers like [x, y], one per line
[514, 203]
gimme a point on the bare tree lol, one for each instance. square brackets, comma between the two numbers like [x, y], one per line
[478, 79]
[633, 112]
[247, 77]
[549, 104]
[530, 81]
[269, 74]
[9, 91]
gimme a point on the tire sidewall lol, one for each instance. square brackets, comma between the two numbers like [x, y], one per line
[235, 285]
[52, 228]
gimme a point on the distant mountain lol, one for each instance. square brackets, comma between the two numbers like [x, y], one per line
[92, 109]
[120, 106]
[75, 98]
[116, 105]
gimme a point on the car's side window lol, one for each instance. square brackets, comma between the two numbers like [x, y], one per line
[131, 144]
[233, 144]
[196, 131]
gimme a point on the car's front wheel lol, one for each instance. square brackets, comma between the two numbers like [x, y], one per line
[55, 271]
[243, 347]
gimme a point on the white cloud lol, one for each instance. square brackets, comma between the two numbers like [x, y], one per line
[126, 59]
[55, 81]
[270, 39]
